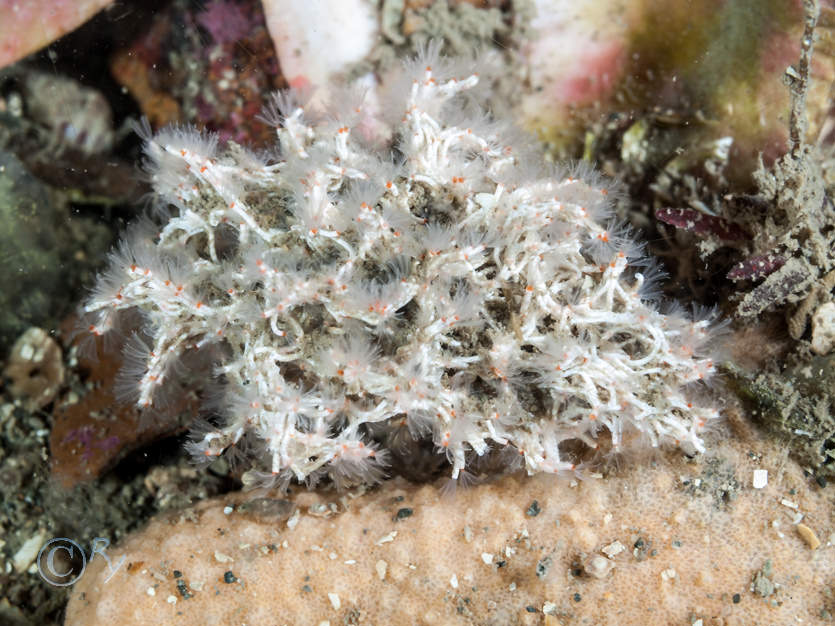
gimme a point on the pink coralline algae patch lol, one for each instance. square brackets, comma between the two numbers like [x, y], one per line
[28, 25]
[595, 79]
[226, 22]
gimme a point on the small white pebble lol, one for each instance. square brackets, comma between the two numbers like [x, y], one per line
[171, 600]
[487, 558]
[453, 581]
[549, 608]
[788, 503]
[28, 552]
[332, 556]
[468, 534]
[151, 591]
[196, 585]
[350, 562]
[613, 549]
[387, 538]
[512, 587]
[294, 520]
[668, 574]
[381, 567]
[227, 510]
[760, 478]
[222, 558]
[335, 602]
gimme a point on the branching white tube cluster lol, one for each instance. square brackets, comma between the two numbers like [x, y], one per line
[450, 283]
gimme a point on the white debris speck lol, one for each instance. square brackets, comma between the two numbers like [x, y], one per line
[324, 623]
[512, 586]
[285, 544]
[487, 558]
[28, 552]
[549, 608]
[222, 558]
[171, 600]
[453, 581]
[332, 556]
[388, 538]
[335, 602]
[598, 566]
[350, 562]
[788, 503]
[381, 566]
[613, 549]
[196, 585]
[668, 574]
[294, 520]
[607, 518]
[151, 591]
[760, 478]
[227, 510]
[468, 534]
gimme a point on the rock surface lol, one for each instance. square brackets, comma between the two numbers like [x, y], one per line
[700, 544]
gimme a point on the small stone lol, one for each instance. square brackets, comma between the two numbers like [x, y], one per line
[387, 538]
[808, 535]
[335, 601]
[403, 514]
[823, 329]
[613, 549]
[229, 578]
[381, 567]
[760, 478]
[24, 557]
[598, 566]
[222, 558]
[533, 509]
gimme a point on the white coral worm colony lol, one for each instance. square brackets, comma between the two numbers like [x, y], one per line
[452, 284]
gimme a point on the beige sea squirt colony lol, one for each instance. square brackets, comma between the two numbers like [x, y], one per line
[421, 273]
